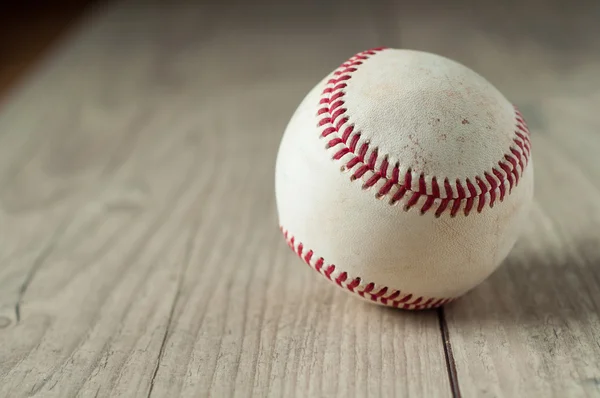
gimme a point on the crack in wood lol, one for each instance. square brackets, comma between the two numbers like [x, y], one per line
[186, 262]
[37, 264]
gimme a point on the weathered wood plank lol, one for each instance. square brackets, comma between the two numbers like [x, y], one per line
[139, 233]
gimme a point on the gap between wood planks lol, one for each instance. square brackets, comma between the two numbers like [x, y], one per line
[450, 364]
[387, 28]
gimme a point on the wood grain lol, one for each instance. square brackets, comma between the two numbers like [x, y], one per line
[140, 250]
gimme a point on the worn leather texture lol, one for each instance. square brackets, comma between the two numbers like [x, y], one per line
[434, 117]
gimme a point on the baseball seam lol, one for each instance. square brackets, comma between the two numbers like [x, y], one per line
[400, 182]
[367, 290]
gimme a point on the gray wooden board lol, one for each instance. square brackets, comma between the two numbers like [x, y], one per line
[140, 248]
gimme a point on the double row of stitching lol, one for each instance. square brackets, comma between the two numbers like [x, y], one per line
[396, 182]
[367, 290]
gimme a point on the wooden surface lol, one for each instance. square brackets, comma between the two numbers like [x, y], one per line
[28, 28]
[140, 254]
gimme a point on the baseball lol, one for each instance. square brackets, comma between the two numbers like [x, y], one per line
[404, 178]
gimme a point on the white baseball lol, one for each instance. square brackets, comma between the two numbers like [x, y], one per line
[404, 177]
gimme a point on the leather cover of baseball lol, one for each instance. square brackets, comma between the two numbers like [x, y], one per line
[404, 178]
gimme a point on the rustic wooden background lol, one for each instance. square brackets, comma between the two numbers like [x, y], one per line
[139, 248]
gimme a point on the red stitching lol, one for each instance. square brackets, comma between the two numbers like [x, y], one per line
[398, 195]
[442, 207]
[413, 200]
[435, 189]
[365, 162]
[342, 278]
[368, 290]
[428, 204]
[352, 285]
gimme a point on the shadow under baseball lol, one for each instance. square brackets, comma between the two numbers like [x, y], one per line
[537, 284]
